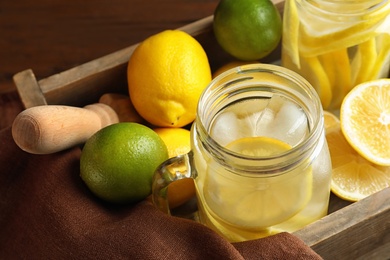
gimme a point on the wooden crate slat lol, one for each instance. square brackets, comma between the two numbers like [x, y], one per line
[353, 231]
[28, 88]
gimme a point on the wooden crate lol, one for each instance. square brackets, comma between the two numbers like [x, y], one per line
[357, 230]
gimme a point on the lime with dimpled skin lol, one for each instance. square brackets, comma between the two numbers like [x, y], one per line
[247, 29]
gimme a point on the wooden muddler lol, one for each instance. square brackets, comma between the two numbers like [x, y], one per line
[52, 128]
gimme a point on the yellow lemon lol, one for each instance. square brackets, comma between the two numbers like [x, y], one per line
[178, 142]
[353, 177]
[330, 119]
[166, 75]
[290, 37]
[365, 120]
[230, 65]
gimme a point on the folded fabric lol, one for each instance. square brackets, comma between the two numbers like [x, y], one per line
[46, 212]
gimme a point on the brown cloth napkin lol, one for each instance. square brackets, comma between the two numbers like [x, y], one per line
[46, 212]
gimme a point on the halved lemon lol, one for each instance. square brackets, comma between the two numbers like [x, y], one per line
[365, 120]
[330, 119]
[353, 177]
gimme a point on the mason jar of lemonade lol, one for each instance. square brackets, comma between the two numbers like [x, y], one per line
[336, 44]
[259, 157]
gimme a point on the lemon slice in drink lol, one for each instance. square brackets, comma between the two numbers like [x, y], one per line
[258, 146]
[259, 201]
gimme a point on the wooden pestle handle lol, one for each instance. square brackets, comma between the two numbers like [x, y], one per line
[52, 128]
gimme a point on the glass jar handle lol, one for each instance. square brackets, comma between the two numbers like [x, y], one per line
[173, 169]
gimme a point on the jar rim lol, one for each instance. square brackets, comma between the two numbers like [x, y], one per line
[281, 160]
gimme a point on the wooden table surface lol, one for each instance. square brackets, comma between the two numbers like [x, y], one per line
[52, 36]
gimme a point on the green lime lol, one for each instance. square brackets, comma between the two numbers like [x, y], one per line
[118, 162]
[247, 29]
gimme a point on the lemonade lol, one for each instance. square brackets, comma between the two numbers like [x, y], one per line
[283, 198]
[259, 158]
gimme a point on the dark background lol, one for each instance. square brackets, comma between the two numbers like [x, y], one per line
[50, 36]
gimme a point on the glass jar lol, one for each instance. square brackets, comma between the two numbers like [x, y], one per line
[259, 157]
[336, 44]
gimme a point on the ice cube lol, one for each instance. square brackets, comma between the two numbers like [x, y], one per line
[290, 124]
[263, 119]
[246, 125]
[248, 107]
[264, 122]
[225, 128]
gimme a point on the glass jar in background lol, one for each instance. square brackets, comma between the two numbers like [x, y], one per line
[259, 157]
[336, 44]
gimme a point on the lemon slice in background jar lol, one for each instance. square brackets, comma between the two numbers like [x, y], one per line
[380, 67]
[366, 52]
[341, 74]
[337, 48]
[290, 39]
[318, 77]
[323, 37]
[259, 202]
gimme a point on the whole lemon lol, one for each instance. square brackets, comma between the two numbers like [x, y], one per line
[178, 142]
[166, 75]
[231, 65]
[118, 162]
[247, 29]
